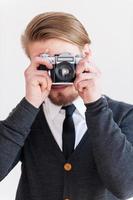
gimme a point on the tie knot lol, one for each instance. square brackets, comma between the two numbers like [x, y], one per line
[69, 109]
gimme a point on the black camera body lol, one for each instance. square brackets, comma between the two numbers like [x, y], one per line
[64, 67]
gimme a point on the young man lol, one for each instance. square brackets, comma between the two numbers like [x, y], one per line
[98, 163]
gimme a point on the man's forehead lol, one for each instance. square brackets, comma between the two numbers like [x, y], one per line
[51, 48]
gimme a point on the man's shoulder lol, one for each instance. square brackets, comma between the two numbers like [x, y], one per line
[120, 107]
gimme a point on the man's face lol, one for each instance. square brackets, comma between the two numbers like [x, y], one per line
[63, 94]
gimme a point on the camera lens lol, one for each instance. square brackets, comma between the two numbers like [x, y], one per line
[65, 72]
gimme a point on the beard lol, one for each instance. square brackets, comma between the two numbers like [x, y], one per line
[63, 98]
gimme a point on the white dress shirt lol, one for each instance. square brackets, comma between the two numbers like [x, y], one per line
[55, 117]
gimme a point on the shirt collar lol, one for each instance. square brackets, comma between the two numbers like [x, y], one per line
[79, 104]
[52, 110]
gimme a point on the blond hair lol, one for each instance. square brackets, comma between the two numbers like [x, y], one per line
[58, 25]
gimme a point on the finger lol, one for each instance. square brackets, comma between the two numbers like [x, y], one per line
[44, 80]
[36, 73]
[90, 64]
[41, 73]
[87, 56]
[44, 85]
[85, 67]
[82, 86]
[35, 81]
[36, 61]
[86, 76]
[49, 83]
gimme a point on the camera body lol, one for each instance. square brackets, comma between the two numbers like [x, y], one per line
[64, 67]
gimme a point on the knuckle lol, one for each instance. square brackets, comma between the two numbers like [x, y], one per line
[82, 62]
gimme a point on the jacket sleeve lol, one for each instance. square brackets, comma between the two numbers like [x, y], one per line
[13, 133]
[112, 147]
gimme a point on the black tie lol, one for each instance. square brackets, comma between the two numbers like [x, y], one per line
[68, 135]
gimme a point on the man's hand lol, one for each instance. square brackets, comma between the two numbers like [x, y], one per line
[38, 82]
[88, 80]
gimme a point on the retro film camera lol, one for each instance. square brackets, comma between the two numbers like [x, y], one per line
[64, 65]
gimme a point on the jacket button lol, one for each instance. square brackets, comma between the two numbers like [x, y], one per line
[67, 167]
